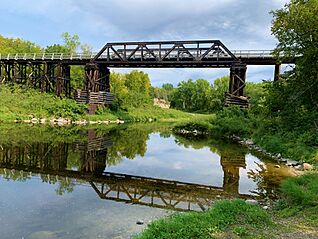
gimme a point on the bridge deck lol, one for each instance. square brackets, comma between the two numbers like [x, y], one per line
[153, 57]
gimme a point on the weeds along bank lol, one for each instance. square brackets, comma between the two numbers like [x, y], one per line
[294, 215]
[284, 141]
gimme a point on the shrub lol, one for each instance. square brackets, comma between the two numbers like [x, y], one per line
[233, 121]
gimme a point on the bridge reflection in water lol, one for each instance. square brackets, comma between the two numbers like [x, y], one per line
[51, 161]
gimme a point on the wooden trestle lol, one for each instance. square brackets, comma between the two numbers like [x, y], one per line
[48, 77]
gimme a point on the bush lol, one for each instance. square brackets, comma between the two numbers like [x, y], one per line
[66, 108]
[233, 121]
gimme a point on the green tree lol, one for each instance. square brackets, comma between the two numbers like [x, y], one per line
[56, 48]
[193, 96]
[86, 49]
[71, 42]
[18, 45]
[118, 87]
[296, 28]
[168, 91]
[132, 89]
[139, 87]
[294, 99]
[71, 45]
[220, 86]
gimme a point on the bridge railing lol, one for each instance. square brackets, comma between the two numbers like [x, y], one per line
[253, 53]
[46, 56]
[84, 56]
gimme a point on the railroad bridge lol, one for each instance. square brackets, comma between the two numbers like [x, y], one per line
[50, 72]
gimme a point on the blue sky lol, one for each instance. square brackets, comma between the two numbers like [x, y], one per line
[243, 24]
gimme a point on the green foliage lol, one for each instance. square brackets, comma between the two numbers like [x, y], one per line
[17, 45]
[132, 90]
[200, 95]
[23, 103]
[71, 42]
[221, 85]
[300, 191]
[165, 92]
[233, 121]
[199, 126]
[56, 48]
[224, 217]
[295, 27]
[193, 96]
[66, 108]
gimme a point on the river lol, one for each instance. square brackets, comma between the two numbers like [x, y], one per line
[99, 181]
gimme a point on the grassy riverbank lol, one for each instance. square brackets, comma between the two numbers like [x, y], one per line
[17, 103]
[299, 143]
[295, 215]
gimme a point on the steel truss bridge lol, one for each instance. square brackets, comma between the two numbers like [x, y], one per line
[51, 71]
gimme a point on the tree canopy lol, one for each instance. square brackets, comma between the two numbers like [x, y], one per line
[17, 45]
[296, 28]
[132, 89]
[294, 98]
[200, 95]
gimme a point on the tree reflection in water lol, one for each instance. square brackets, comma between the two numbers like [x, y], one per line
[69, 156]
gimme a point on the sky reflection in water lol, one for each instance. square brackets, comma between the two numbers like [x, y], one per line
[53, 181]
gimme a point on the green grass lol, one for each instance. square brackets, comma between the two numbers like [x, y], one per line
[148, 113]
[19, 103]
[296, 213]
[224, 220]
[300, 192]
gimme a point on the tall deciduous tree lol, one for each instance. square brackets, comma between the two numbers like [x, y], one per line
[132, 89]
[71, 45]
[296, 28]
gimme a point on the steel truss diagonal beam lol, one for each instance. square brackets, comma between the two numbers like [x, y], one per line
[204, 53]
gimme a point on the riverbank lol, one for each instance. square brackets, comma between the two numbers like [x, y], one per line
[294, 215]
[30, 106]
[293, 147]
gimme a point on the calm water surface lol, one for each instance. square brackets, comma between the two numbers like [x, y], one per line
[97, 182]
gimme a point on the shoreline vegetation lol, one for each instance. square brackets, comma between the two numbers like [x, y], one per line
[293, 215]
[25, 105]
